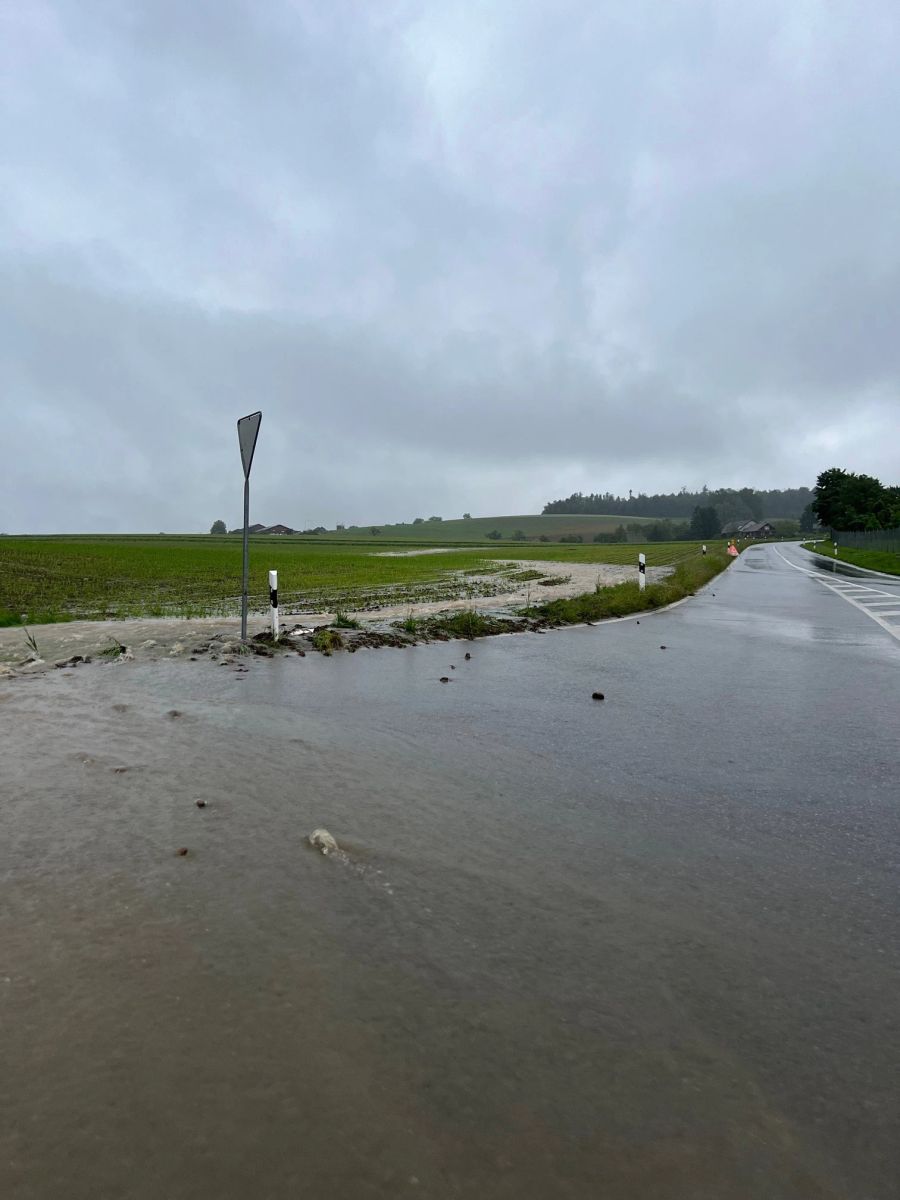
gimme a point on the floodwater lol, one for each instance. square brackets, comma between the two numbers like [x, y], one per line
[571, 948]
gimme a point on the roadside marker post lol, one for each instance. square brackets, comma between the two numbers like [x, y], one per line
[642, 571]
[248, 431]
[273, 602]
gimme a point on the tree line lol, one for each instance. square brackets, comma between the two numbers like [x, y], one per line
[731, 504]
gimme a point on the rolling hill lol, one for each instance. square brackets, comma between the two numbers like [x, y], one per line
[476, 529]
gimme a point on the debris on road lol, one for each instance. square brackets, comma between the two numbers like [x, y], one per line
[321, 839]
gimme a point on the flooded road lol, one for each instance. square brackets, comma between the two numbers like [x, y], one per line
[645, 947]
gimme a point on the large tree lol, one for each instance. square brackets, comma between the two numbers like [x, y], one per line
[844, 500]
[826, 502]
[218, 527]
[705, 522]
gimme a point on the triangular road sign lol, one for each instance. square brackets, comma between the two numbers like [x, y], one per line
[248, 430]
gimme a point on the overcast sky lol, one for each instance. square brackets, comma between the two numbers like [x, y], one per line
[464, 256]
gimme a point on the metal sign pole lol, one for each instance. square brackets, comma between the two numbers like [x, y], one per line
[245, 575]
[248, 431]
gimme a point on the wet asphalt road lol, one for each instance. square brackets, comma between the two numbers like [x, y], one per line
[640, 948]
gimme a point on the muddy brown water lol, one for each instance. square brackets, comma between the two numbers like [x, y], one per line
[533, 972]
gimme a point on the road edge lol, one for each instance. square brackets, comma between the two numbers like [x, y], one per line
[853, 566]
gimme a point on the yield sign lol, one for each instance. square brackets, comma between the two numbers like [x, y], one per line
[248, 430]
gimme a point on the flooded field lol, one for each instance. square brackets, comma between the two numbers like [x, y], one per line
[42, 579]
[545, 963]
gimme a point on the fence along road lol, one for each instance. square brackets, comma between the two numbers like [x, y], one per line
[869, 539]
[879, 602]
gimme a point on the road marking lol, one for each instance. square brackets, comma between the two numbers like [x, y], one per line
[877, 617]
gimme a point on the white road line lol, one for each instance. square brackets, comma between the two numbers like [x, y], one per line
[890, 597]
[878, 618]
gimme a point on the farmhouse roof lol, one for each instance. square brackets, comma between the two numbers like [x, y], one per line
[257, 528]
[754, 526]
[747, 527]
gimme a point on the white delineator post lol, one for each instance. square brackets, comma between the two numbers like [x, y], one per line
[642, 571]
[273, 602]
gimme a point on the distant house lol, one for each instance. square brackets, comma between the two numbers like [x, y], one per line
[759, 529]
[264, 529]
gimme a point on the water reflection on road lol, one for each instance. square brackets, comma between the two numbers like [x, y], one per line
[834, 566]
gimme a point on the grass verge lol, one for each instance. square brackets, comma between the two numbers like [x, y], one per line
[9, 619]
[626, 598]
[465, 624]
[874, 560]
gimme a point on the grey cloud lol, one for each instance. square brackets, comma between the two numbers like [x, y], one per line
[462, 258]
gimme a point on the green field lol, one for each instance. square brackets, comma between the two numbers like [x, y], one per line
[476, 529]
[874, 560]
[54, 578]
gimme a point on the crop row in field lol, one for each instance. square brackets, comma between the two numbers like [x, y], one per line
[49, 578]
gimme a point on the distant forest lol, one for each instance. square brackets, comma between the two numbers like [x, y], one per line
[730, 504]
